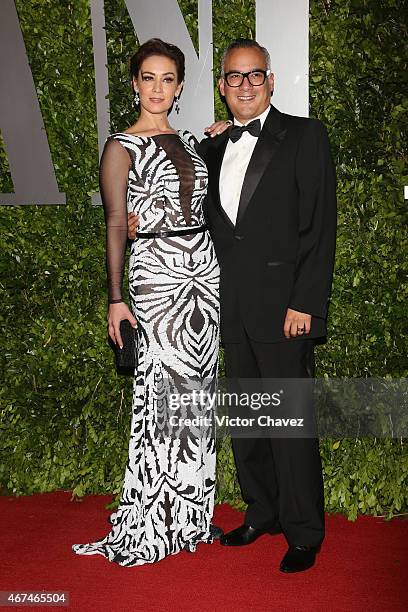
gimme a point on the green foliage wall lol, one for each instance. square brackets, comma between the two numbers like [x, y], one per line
[64, 411]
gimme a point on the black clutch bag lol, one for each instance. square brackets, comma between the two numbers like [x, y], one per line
[126, 357]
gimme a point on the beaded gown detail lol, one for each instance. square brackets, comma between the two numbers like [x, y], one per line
[167, 499]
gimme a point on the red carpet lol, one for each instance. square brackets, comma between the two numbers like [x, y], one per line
[362, 565]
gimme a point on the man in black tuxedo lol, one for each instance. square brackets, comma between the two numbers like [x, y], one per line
[272, 214]
[271, 208]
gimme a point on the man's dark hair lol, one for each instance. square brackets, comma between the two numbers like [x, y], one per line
[245, 43]
[156, 46]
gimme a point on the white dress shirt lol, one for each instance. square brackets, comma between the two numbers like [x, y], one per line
[234, 166]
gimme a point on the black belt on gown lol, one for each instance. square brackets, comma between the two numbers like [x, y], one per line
[185, 231]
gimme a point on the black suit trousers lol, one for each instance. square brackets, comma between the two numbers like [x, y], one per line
[280, 478]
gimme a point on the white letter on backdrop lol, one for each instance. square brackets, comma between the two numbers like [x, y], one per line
[283, 28]
[21, 122]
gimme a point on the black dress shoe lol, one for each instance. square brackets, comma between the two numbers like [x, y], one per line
[216, 532]
[246, 535]
[298, 559]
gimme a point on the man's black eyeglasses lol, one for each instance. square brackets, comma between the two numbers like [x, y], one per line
[255, 77]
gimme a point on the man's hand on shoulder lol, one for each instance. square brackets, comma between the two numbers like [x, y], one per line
[296, 323]
[133, 224]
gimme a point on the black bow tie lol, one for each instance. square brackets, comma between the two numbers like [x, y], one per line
[254, 128]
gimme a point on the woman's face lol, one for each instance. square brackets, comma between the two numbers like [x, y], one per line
[157, 84]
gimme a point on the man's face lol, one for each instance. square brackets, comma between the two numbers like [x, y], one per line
[246, 101]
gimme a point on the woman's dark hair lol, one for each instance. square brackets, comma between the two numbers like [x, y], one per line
[155, 46]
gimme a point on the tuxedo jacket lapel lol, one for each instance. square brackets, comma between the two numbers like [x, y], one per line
[214, 162]
[268, 144]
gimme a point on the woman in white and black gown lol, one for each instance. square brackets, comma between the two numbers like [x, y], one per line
[168, 495]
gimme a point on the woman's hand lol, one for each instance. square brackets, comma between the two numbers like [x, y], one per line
[133, 224]
[116, 314]
[217, 128]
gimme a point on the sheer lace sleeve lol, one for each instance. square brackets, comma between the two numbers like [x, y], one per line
[113, 180]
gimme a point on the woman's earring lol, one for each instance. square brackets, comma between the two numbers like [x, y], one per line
[176, 104]
[136, 99]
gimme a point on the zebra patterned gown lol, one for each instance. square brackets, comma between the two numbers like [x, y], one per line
[167, 500]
